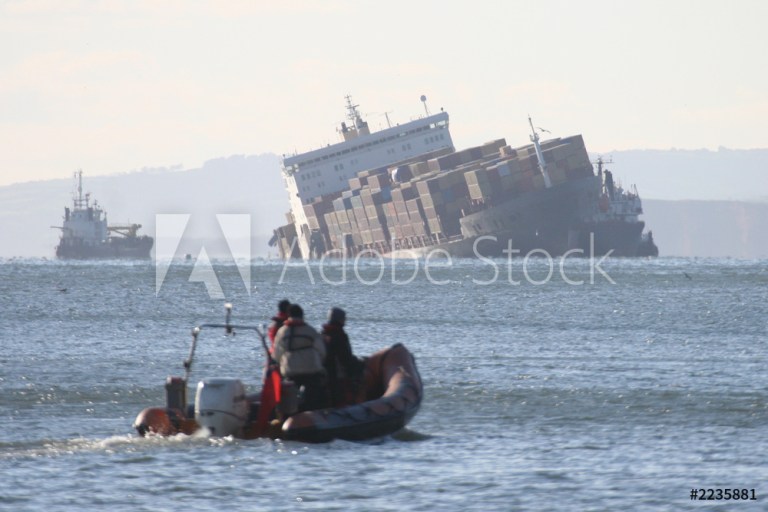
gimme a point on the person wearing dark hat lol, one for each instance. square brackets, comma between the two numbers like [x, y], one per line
[300, 352]
[343, 368]
[277, 321]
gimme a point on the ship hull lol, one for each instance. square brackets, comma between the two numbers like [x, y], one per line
[115, 248]
[615, 237]
[545, 222]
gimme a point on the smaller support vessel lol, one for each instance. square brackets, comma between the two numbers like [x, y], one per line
[85, 233]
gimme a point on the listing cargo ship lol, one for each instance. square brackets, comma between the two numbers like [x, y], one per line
[405, 191]
[86, 234]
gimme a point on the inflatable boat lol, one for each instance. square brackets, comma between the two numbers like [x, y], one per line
[383, 401]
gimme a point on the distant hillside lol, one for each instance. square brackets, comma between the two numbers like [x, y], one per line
[237, 184]
[708, 228]
[701, 202]
[725, 174]
[685, 198]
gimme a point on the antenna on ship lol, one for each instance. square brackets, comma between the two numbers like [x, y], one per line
[352, 113]
[539, 154]
[79, 202]
[600, 162]
[424, 101]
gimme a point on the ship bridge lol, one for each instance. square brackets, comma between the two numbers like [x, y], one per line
[327, 170]
[311, 175]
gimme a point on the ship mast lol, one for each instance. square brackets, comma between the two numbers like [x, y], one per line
[352, 113]
[359, 127]
[539, 155]
[600, 163]
[79, 201]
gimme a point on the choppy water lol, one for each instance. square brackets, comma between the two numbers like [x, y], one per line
[538, 397]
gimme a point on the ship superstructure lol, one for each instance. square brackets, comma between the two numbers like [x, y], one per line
[327, 171]
[617, 214]
[85, 233]
[405, 188]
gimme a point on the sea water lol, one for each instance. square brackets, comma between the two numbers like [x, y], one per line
[546, 388]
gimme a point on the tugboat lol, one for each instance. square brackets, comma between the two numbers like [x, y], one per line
[388, 397]
[86, 234]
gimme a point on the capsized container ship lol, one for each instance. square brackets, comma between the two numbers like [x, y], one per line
[406, 191]
[85, 233]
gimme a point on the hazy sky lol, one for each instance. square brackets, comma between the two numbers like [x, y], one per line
[112, 86]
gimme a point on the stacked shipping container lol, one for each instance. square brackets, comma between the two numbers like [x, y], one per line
[420, 203]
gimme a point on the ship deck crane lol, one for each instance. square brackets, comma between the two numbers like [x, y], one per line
[126, 230]
[539, 154]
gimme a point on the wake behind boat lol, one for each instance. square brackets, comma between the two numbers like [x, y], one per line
[388, 398]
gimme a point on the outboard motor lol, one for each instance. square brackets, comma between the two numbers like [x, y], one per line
[221, 406]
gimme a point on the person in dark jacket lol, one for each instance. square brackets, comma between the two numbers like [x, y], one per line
[277, 321]
[343, 368]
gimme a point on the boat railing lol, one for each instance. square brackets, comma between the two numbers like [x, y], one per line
[230, 330]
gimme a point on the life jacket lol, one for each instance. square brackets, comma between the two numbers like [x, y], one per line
[270, 398]
[300, 357]
[277, 322]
